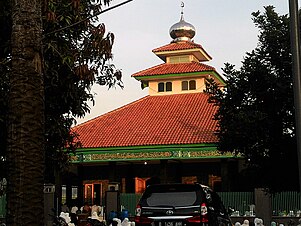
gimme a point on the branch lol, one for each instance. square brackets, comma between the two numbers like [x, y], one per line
[71, 25]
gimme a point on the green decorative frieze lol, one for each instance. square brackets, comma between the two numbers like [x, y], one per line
[100, 156]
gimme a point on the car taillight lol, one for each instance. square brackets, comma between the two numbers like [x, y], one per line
[140, 219]
[138, 210]
[204, 213]
[195, 219]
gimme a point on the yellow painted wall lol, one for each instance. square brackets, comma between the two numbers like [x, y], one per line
[176, 86]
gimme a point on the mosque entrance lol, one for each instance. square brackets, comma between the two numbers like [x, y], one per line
[93, 193]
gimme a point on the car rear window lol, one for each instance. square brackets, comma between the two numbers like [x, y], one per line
[185, 198]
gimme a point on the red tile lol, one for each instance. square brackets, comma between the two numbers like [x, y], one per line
[178, 68]
[153, 120]
[178, 46]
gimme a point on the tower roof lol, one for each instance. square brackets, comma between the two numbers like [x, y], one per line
[179, 68]
[180, 48]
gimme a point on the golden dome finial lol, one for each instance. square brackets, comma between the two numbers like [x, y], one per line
[182, 31]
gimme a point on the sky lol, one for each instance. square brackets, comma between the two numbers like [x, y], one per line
[223, 27]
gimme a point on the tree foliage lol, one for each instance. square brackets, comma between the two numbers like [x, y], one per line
[256, 108]
[77, 53]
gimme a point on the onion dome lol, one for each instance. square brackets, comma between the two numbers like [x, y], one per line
[182, 31]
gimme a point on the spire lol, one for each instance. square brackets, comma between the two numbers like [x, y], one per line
[182, 10]
[182, 31]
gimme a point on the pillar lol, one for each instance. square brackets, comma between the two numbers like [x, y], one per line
[263, 205]
[163, 171]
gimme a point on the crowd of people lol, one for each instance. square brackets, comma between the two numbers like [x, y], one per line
[94, 212]
[246, 222]
[259, 222]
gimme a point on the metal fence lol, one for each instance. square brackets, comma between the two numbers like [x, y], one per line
[281, 202]
[2, 206]
[237, 200]
[284, 202]
[129, 202]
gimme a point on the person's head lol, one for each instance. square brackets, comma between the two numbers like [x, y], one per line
[258, 221]
[237, 224]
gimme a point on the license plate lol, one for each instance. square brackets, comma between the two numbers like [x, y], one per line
[167, 223]
[173, 223]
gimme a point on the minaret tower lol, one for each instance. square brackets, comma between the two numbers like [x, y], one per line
[183, 70]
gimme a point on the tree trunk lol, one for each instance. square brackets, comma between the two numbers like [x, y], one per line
[26, 118]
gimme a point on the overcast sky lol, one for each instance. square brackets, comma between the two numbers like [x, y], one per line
[223, 27]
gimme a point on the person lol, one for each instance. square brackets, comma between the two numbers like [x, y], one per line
[237, 223]
[258, 222]
[126, 222]
[86, 208]
[65, 208]
[246, 223]
[96, 208]
[73, 214]
[95, 216]
[74, 209]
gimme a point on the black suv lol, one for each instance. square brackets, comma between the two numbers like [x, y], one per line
[180, 205]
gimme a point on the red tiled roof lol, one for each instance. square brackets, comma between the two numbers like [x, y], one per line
[178, 68]
[153, 120]
[178, 46]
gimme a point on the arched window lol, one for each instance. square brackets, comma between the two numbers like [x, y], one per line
[164, 87]
[192, 85]
[189, 85]
[168, 86]
[184, 85]
[161, 87]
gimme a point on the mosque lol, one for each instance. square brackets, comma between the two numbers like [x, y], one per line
[167, 136]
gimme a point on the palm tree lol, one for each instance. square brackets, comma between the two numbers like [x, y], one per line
[26, 117]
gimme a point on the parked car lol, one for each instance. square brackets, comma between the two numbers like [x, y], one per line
[181, 205]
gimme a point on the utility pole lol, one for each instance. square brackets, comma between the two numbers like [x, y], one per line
[295, 48]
